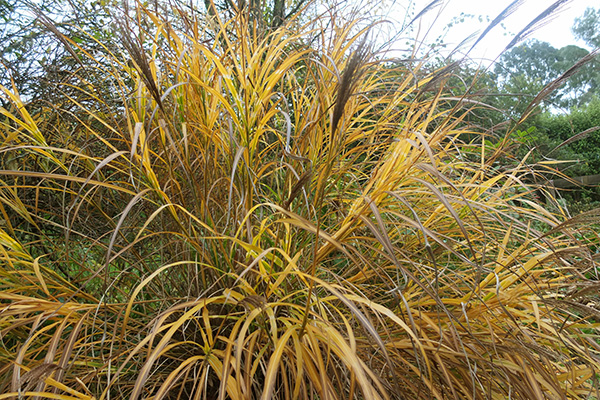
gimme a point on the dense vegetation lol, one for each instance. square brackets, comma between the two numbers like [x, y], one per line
[562, 130]
[226, 208]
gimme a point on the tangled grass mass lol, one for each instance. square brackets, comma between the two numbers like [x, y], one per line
[247, 213]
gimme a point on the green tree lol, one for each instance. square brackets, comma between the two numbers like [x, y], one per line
[526, 69]
[587, 27]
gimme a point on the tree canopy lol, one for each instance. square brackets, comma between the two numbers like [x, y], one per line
[587, 27]
[527, 68]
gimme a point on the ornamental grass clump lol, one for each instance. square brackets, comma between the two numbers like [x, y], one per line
[264, 214]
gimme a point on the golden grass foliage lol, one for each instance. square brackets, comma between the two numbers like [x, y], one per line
[278, 215]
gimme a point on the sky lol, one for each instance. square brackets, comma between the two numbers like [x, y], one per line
[557, 32]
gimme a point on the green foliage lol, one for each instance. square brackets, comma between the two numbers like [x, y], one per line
[278, 214]
[566, 127]
[524, 71]
[587, 27]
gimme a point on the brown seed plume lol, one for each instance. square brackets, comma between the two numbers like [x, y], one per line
[347, 83]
